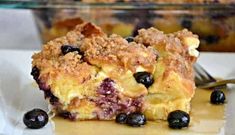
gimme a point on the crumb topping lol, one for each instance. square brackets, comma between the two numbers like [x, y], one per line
[98, 49]
[173, 48]
[165, 42]
[117, 51]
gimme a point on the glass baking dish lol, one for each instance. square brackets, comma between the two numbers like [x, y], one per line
[213, 22]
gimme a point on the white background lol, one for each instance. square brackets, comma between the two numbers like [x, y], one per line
[18, 30]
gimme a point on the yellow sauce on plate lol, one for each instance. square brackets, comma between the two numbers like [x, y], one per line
[205, 119]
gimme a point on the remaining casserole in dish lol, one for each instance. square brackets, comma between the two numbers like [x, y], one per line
[213, 23]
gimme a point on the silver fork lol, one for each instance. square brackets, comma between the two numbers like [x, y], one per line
[204, 80]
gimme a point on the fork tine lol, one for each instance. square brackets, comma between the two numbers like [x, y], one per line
[198, 80]
[201, 75]
[202, 78]
[198, 74]
[208, 75]
[217, 85]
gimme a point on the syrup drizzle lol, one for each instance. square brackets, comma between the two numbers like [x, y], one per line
[205, 119]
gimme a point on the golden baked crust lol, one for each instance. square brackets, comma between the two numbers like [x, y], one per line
[97, 82]
[173, 86]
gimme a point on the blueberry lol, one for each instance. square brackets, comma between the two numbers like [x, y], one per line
[54, 100]
[67, 48]
[144, 78]
[211, 39]
[35, 73]
[217, 97]
[35, 119]
[218, 15]
[141, 24]
[136, 119]
[68, 115]
[178, 119]
[130, 39]
[121, 118]
[186, 23]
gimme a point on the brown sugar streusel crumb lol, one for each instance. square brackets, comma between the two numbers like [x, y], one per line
[172, 47]
[98, 49]
[117, 51]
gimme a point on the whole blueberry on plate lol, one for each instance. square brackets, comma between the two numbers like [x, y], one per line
[145, 78]
[217, 97]
[35, 119]
[178, 119]
[136, 119]
[121, 118]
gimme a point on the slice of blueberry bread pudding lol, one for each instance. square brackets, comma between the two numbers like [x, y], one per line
[90, 75]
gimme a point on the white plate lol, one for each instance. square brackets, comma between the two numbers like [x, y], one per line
[17, 95]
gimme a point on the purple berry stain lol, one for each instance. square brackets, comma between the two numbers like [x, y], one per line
[42, 85]
[110, 102]
[106, 87]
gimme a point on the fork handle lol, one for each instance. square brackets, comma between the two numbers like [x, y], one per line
[217, 83]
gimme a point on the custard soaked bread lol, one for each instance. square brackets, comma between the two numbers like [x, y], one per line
[90, 75]
[173, 85]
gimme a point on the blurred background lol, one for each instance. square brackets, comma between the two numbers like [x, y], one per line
[28, 24]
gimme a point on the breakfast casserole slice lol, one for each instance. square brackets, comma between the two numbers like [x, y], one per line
[90, 75]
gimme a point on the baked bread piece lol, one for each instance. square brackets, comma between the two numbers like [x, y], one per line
[173, 85]
[89, 75]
